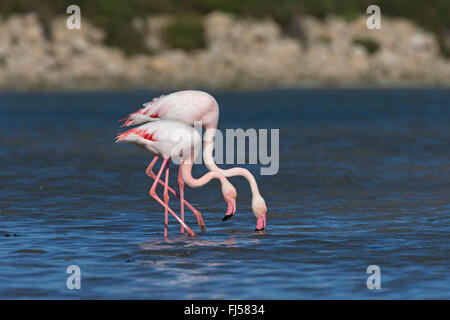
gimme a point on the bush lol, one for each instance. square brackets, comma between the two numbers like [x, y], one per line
[369, 44]
[185, 32]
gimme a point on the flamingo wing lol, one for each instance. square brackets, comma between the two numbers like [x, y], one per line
[187, 106]
[146, 114]
[133, 134]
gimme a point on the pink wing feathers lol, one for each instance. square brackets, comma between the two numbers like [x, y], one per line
[131, 135]
[186, 106]
[146, 114]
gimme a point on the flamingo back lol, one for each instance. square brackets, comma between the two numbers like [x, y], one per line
[188, 106]
[165, 138]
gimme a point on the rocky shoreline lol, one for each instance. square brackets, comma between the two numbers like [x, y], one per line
[240, 53]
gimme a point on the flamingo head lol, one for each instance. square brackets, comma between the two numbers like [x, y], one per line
[229, 195]
[259, 210]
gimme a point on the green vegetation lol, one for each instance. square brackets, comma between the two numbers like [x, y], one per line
[371, 45]
[114, 16]
[185, 32]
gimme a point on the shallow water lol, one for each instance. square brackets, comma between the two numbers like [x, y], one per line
[364, 179]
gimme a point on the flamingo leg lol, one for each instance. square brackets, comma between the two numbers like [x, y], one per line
[149, 170]
[151, 174]
[155, 196]
[181, 185]
[166, 201]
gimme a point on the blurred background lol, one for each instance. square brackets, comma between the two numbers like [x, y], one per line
[223, 44]
[363, 116]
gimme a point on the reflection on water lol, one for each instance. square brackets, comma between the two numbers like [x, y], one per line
[167, 244]
[364, 179]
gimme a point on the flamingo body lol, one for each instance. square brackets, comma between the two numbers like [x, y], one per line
[188, 106]
[169, 139]
[162, 138]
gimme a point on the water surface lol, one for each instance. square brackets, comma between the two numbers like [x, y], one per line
[364, 179]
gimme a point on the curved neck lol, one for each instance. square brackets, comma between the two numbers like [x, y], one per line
[186, 171]
[211, 165]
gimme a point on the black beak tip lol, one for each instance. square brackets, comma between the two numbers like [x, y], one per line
[227, 217]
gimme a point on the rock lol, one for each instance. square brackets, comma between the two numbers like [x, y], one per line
[154, 33]
[254, 52]
[240, 53]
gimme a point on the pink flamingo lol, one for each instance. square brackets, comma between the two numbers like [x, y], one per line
[189, 107]
[159, 138]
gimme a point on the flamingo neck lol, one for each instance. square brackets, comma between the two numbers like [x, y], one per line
[186, 171]
[211, 165]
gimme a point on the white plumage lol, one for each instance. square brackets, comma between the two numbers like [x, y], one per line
[170, 118]
[165, 138]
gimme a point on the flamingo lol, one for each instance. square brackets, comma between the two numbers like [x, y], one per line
[189, 107]
[158, 138]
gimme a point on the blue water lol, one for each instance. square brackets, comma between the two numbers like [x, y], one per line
[364, 180]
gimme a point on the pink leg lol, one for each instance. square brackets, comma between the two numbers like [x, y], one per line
[151, 174]
[181, 185]
[155, 196]
[149, 170]
[166, 201]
